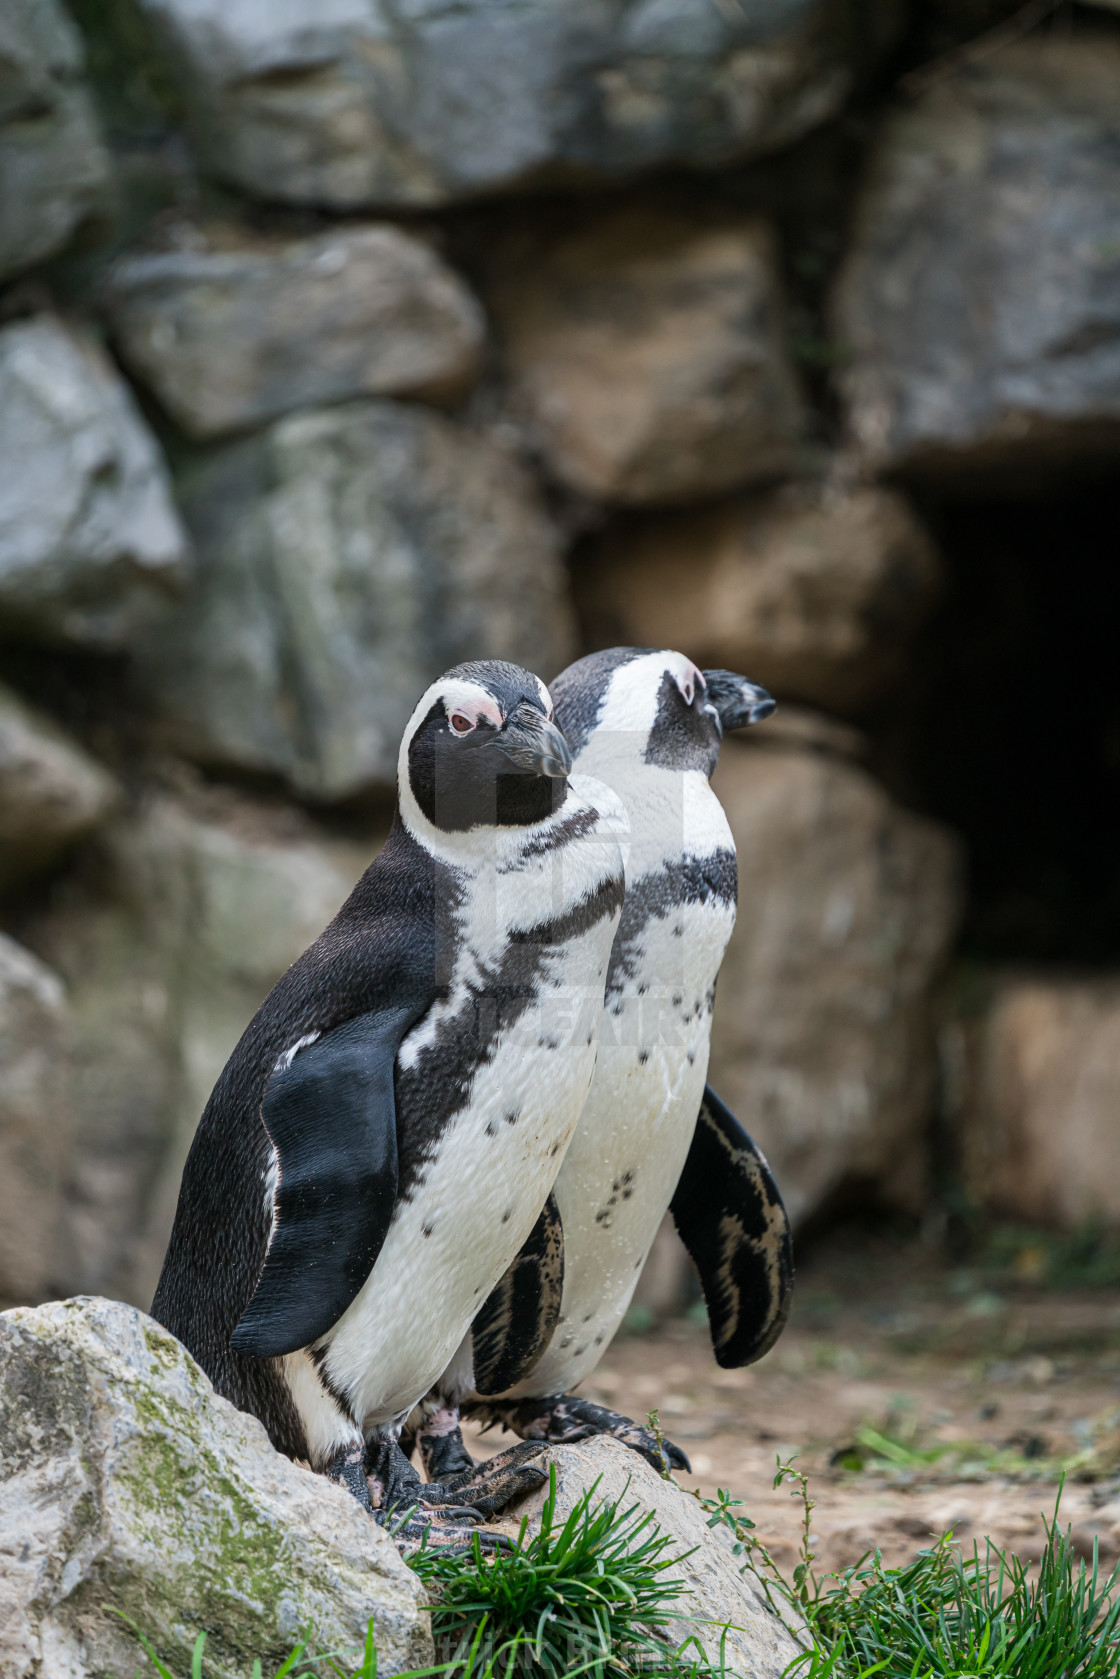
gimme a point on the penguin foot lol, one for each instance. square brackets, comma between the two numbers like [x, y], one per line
[491, 1485]
[563, 1418]
[393, 1484]
[347, 1468]
[395, 1487]
[442, 1451]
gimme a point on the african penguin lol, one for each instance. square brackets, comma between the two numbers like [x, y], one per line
[649, 724]
[384, 1136]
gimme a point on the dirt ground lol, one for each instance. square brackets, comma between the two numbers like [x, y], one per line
[977, 1398]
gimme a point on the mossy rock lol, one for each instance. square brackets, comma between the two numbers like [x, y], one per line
[127, 1483]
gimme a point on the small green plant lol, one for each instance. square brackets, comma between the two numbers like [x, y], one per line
[724, 1511]
[653, 1423]
[589, 1595]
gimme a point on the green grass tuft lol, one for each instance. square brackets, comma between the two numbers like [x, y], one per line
[952, 1614]
[591, 1595]
[946, 1615]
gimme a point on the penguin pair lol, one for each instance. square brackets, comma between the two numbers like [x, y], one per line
[652, 1136]
[383, 1139]
[371, 1209]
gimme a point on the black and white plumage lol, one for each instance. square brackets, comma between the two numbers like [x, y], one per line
[649, 724]
[384, 1136]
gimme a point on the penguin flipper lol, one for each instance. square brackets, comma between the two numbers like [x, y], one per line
[730, 1217]
[517, 1320]
[331, 1116]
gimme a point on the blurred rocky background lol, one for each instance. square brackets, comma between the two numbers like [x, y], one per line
[343, 340]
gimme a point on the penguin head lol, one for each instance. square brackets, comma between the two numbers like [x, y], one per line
[482, 750]
[672, 713]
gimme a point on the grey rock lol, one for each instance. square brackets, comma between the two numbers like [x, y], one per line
[51, 791]
[644, 349]
[35, 1112]
[358, 102]
[1037, 1114]
[345, 558]
[230, 330]
[127, 1484]
[187, 915]
[54, 168]
[813, 591]
[823, 1035]
[91, 546]
[980, 304]
[762, 1635]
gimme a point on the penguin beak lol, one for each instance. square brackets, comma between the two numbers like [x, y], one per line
[533, 744]
[735, 701]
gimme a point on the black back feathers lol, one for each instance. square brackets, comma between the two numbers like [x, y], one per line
[731, 1219]
[331, 1117]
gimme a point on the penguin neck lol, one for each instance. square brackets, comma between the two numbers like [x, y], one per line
[671, 812]
[525, 805]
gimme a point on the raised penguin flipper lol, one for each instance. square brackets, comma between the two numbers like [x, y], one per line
[517, 1320]
[331, 1116]
[731, 1219]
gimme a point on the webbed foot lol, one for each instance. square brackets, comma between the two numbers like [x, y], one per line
[563, 1418]
[448, 1509]
[491, 1485]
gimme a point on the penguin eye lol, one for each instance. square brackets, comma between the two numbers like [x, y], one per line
[687, 691]
[462, 725]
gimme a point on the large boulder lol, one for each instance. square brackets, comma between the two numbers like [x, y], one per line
[724, 1605]
[811, 591]
[231, 329]
[35, 1098]
[644, 351]
[187, 913]
[345, 558]
[823, 1039]
[51, 791]
[980, 305]
[1041, 1141]
[354, 104]
[53, 166]
[127, 1484]
[91, 546]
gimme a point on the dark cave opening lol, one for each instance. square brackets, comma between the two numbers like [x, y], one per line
[1010, 730]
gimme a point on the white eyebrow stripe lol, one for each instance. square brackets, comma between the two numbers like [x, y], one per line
[472, 700]
[453, 692]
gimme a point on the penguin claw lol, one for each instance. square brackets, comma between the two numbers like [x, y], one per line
[466, 1515]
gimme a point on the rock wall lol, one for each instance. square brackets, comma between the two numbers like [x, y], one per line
[335, 348]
